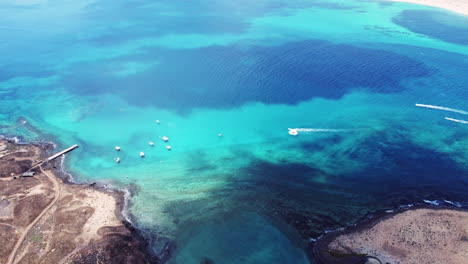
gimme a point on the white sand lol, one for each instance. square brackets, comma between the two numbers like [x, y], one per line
[104, 215]
[458, 6]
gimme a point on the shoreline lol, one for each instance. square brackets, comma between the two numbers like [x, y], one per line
[120, 196]
[67, 178]
[123, 196]
[324, 255]
[457, 6]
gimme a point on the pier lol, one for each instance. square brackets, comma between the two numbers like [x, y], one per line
[56, 155]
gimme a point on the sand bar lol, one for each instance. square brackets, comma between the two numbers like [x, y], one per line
[458, 6]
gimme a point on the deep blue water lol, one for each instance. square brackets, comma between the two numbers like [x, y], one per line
[99, 73]
[285, 74]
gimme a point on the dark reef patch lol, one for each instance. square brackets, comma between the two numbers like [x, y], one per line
[319, 145]
[396, 172]
[225, 77]
[438, 25]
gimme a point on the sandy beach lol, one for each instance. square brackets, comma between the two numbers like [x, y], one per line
[458, 6]
[415, 236]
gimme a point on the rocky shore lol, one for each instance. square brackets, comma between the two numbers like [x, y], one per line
[414, 236]
[44, 219]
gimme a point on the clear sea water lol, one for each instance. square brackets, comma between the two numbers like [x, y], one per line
[98, 73]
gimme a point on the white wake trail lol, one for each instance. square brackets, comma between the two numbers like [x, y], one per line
[443, 108]
[457, 120]
[295, 131]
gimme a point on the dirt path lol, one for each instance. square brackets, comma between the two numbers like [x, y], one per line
[12, 226]
[11, 258]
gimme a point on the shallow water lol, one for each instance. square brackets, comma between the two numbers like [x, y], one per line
[99, 73]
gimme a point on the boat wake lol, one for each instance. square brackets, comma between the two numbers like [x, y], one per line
[443, 108]
[456, 120]
[296, 131]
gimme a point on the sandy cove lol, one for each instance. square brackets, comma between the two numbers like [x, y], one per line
[457, 6]
[45, 220]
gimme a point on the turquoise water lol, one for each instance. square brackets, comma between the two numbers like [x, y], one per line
[99, 73]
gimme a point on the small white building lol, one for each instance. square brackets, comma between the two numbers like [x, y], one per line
[28, 174]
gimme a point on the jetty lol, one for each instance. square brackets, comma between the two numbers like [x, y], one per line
[56, 155]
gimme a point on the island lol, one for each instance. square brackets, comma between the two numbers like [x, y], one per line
[414, 236]
[45, 219]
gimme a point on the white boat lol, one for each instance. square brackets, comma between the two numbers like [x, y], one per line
[117, 148]
[117, 160]
[151, 143]
[168, 147]
[165, 139]
[293, 132]
[142, 154]
[220, 135]
[157, 121]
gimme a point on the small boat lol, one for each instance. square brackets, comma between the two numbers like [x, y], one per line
[220, 135]
[293, 132]
[168, 147]
[117, 160]
[151, 143]
[159, 122]
[165, 139]
[142, 154]
[117, 148]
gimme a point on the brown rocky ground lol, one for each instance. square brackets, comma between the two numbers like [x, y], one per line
[415, 236]
[44, 220]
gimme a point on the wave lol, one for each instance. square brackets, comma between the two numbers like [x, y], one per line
[432, 202]
[446, 202]
[62, 169]
[457, 120]
[406, 206]
[457, 204]
[443, 108]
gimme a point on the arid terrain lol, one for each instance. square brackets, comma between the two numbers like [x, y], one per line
[44, 220]
[414, 236]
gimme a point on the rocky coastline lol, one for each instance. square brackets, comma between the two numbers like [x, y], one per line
[49, 218]
[418, 234]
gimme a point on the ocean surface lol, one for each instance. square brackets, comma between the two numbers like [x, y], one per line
[99, 73]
